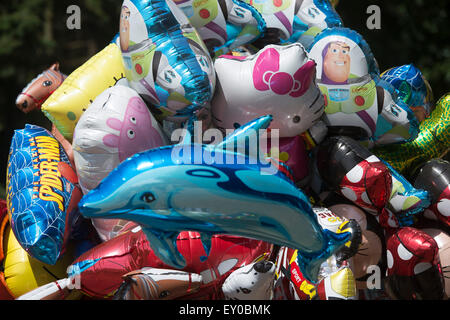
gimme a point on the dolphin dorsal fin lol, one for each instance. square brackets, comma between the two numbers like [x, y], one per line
[187, 138]
[240, 135]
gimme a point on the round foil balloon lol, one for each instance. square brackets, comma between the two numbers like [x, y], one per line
[413, 266]
[42, 193]
[117, 125]
[442, 239]
[434, 177]
[278, 80]
[171, 70]
[348, 75]
[412, 88]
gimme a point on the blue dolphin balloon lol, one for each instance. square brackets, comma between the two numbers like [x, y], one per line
[212, 190]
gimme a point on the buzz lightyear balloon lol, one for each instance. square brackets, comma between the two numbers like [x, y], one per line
[311, 17]
[223, 25]
[297, 20]
[165, 60]
[348, 76]
[117, 125]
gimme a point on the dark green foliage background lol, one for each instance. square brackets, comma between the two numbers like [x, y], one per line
[33, 35]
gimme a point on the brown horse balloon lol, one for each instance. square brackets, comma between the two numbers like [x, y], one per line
[37, 91]
[40, 88]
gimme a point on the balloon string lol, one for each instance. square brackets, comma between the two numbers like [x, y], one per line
[61, 291]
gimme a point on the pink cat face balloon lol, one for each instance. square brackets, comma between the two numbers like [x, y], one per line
[277, 80]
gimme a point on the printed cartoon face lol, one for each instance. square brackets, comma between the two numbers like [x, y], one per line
[278, 80]
[136, 130]
[253, 281]
[117, 125]
[39, 89]
[336, 63]
[124, 28]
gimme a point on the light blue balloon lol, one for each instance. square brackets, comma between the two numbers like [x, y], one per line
[304, 31]
[410, 85]
[212, 190]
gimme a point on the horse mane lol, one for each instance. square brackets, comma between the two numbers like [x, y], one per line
[31, 81]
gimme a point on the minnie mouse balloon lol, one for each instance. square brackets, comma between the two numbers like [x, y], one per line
[165, 60]
[277, 80]
[414, 271]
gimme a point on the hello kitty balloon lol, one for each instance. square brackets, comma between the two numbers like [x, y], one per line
[277, 80]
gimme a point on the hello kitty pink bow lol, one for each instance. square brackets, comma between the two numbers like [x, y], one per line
[266, 75]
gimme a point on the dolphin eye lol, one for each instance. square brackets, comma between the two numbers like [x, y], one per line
[296, 119]
[203, 173]
[164, 294]
[47, 83]
[148, 197]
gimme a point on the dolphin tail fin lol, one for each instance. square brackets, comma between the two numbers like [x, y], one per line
[164, 245]
[206, 241]
[310, 263]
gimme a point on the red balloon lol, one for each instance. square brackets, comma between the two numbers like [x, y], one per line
[413, 266]
[131, 251]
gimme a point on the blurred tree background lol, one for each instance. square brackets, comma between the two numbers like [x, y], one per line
[33, 35]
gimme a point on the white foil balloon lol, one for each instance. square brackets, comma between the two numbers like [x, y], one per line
[117, 125]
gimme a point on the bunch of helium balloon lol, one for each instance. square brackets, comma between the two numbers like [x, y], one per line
[343, 194]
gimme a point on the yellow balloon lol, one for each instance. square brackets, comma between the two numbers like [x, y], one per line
[66, 105]
[24, 273]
